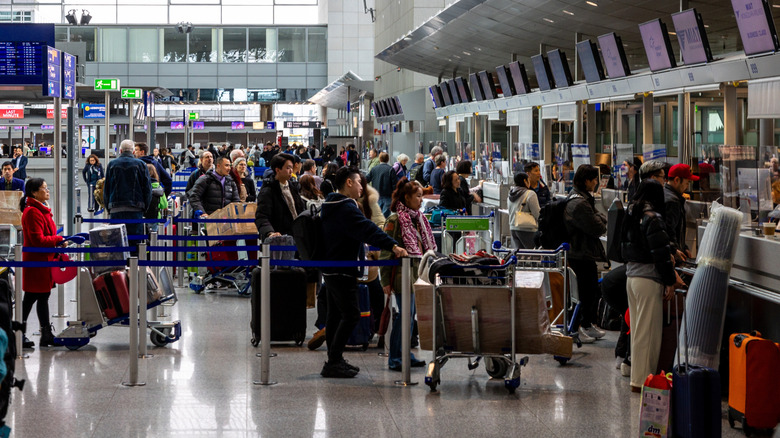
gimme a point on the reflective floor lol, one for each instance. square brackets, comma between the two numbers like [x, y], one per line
[202, 386]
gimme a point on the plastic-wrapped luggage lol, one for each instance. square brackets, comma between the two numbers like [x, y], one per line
[109, 236]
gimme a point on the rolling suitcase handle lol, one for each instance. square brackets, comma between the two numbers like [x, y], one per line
[677, 326]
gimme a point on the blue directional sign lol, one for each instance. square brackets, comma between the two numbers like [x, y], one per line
[68, 76]
[93, 111]
[52, 85]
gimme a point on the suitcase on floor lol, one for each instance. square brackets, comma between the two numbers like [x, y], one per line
[112, 293]
[364, 330]
[695, 397]
[288, 305]
[754, 382]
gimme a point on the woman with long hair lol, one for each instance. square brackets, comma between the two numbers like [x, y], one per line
[464, 171]
[39, 230]
[246, 185]
[409, 227]
[449, 197]
[523, 200]
[93, 171]
[328, 185]
[309, 191]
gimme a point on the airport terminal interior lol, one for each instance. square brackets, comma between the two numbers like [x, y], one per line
[544, 89]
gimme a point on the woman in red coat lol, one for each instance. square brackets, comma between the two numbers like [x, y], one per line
[39, 230]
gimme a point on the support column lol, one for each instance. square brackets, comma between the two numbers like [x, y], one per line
[591, 129]
[730, 125]
[578, 124]
[647, 119]
[545, 139]
[766, 132]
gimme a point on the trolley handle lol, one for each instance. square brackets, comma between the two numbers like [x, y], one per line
[564, 247]
[510, 261]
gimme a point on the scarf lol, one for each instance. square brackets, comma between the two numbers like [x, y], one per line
[410, 221]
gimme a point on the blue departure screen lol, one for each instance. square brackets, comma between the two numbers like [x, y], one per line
[21, 63]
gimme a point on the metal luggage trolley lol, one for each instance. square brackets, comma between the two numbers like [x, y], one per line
[479, 225]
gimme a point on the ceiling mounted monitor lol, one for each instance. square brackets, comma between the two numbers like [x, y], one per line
[519, 78]
[505, 80]
[463, 90]
[476, 87]
[756, 27]
[374, 109]
[658, 48]
[393, 106]
[386, 108]
[590, 61]
[543, 74]
[445, 93]
[560, 68]
[692, 37]
[615, 60]
[436, 96]
[488, 86]
[398, 105]
[453, 91]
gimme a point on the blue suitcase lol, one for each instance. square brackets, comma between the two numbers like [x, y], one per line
[695, 398]
[363, 332]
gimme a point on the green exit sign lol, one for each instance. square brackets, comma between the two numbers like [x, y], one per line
[194, 116]
[131, 93]
[106, 84]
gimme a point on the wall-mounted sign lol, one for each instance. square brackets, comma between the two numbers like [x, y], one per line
[131, 93]
[302, 124]
[177, 125]
[9, 111]
[68, 76]
[106, 84]
[93, 111]
[50, 112]
[193, 116]
[198, 126]
[237, 125]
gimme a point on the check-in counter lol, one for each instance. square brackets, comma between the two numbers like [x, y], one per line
[494, 199]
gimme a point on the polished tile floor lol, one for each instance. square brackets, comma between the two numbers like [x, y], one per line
[202, 386]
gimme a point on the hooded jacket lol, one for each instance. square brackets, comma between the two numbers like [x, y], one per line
[585, 226]
[516, 196]
[208, 194]
[646, 241]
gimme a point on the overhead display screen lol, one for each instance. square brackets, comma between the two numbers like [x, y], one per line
[453, 91]
[435, 97]
[519, 78]
[237, 125]
[590, 61]
[488, 86]
[692, 37]
[560, 68]
[543, 74]
[177, 125]
[198, 125]
[445, 93]
[394, 106]
[756, 27]
[507, 87]
[615, 60]
[476, 87]
[658, 48]
[22, 63]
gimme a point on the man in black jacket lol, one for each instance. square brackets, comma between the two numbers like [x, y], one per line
[383, 178]
[141, 152]
[206, 161]
[346, 230]
[214, 190]
[678, 180]
[278, 202]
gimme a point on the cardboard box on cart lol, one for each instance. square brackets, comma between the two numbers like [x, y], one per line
[9, 208]
[234, 210]
[532, 323]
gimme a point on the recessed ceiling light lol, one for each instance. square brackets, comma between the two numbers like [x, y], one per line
[706, 25]
[568, 12]
[592, 3]
[548, 20]
[467, 53]
[777, 5]
[673, 33]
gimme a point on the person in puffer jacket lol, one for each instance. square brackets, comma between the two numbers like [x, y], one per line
[651, 277]
[214, 190]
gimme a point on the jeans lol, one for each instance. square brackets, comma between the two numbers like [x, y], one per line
[384, 204]
[343, 313]
[394, 358]
[523, 239]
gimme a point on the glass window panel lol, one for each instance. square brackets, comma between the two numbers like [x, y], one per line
[49, 14]
[202, 45]
[292, 44]
[233, 45]
[101, 14]
[143, 45]
[87, 35]
[60, 34]
[296, 15]
[146, 14]
[295, 2]
[318, 44]
[262, 45]
[174, 45]
[237, 14]
[249, 3]
[195, 14]
[113, 45]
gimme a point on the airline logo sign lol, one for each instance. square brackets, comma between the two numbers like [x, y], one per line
[50, 112]
[11, 111]
[106, 84]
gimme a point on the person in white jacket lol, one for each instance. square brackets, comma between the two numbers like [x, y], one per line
[523, 213]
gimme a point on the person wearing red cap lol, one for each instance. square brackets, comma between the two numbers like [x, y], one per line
[678, 181]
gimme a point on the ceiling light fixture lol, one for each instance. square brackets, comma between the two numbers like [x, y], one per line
[71, 17]
[548, 20]
[673, 33]
[568, 12]
[85, 17]
[467, 53]
[592, 3]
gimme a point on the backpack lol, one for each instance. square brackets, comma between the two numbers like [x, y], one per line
[153, 211]
[417, 175]
[552, 225]
[182, 158]
[307, 233]
[616, 215]
[607, 317]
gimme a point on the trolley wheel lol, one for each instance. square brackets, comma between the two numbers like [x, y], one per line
[496, 368]
[433, 384]
[511, 385]
[76, 347]
[746, 428]
[255, 342]
[158, 339]
[561, 360]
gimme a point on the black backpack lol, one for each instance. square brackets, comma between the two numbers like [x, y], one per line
[153, 211]
[552, 224]
[615, 217]
[307, 232]
[417, 175]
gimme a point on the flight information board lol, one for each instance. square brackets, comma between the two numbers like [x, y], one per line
[22, 63]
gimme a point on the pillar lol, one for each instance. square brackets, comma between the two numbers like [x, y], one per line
[730, 125]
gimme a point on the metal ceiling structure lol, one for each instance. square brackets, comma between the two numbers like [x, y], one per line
[336, 94]
[474, 35]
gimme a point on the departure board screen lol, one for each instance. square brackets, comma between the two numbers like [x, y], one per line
[21, 63]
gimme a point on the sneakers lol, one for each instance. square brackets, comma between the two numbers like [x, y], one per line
[593, 332]
[416, 363]
[625, 369]
[618, 361]
[350, 366]
[317, 340]
[584, 338]
[27, 344]
[340, 370]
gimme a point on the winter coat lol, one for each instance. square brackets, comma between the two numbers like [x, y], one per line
[208, 195]
[674, 217]
[377, 216]
[199, 172]
[38, 230]
[451, 199]
[383, 178]
[645, 241]
[516, 196]
[92, 173]
[585, 226]
[162, 174]
[127, 184]
[272, 214]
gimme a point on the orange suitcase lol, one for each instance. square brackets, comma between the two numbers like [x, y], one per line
[754, 382]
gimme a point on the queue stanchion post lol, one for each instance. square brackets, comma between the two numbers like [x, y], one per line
[20, 354]
[133, 324]
[265, 317]
[142, 301]
[406, 324]
[80, 257]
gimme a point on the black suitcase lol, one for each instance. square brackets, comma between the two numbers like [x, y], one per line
[288, 305]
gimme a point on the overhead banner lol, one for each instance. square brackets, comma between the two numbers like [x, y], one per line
[762, 99]
[9, 111]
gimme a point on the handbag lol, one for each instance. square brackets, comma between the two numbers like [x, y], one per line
[384, 319]
[63, 275]
[523, 218]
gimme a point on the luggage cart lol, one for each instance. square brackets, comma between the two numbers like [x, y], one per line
[239, 277]
[468, 234]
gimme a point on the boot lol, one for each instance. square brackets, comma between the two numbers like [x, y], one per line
[26, 343]
[47, 336]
